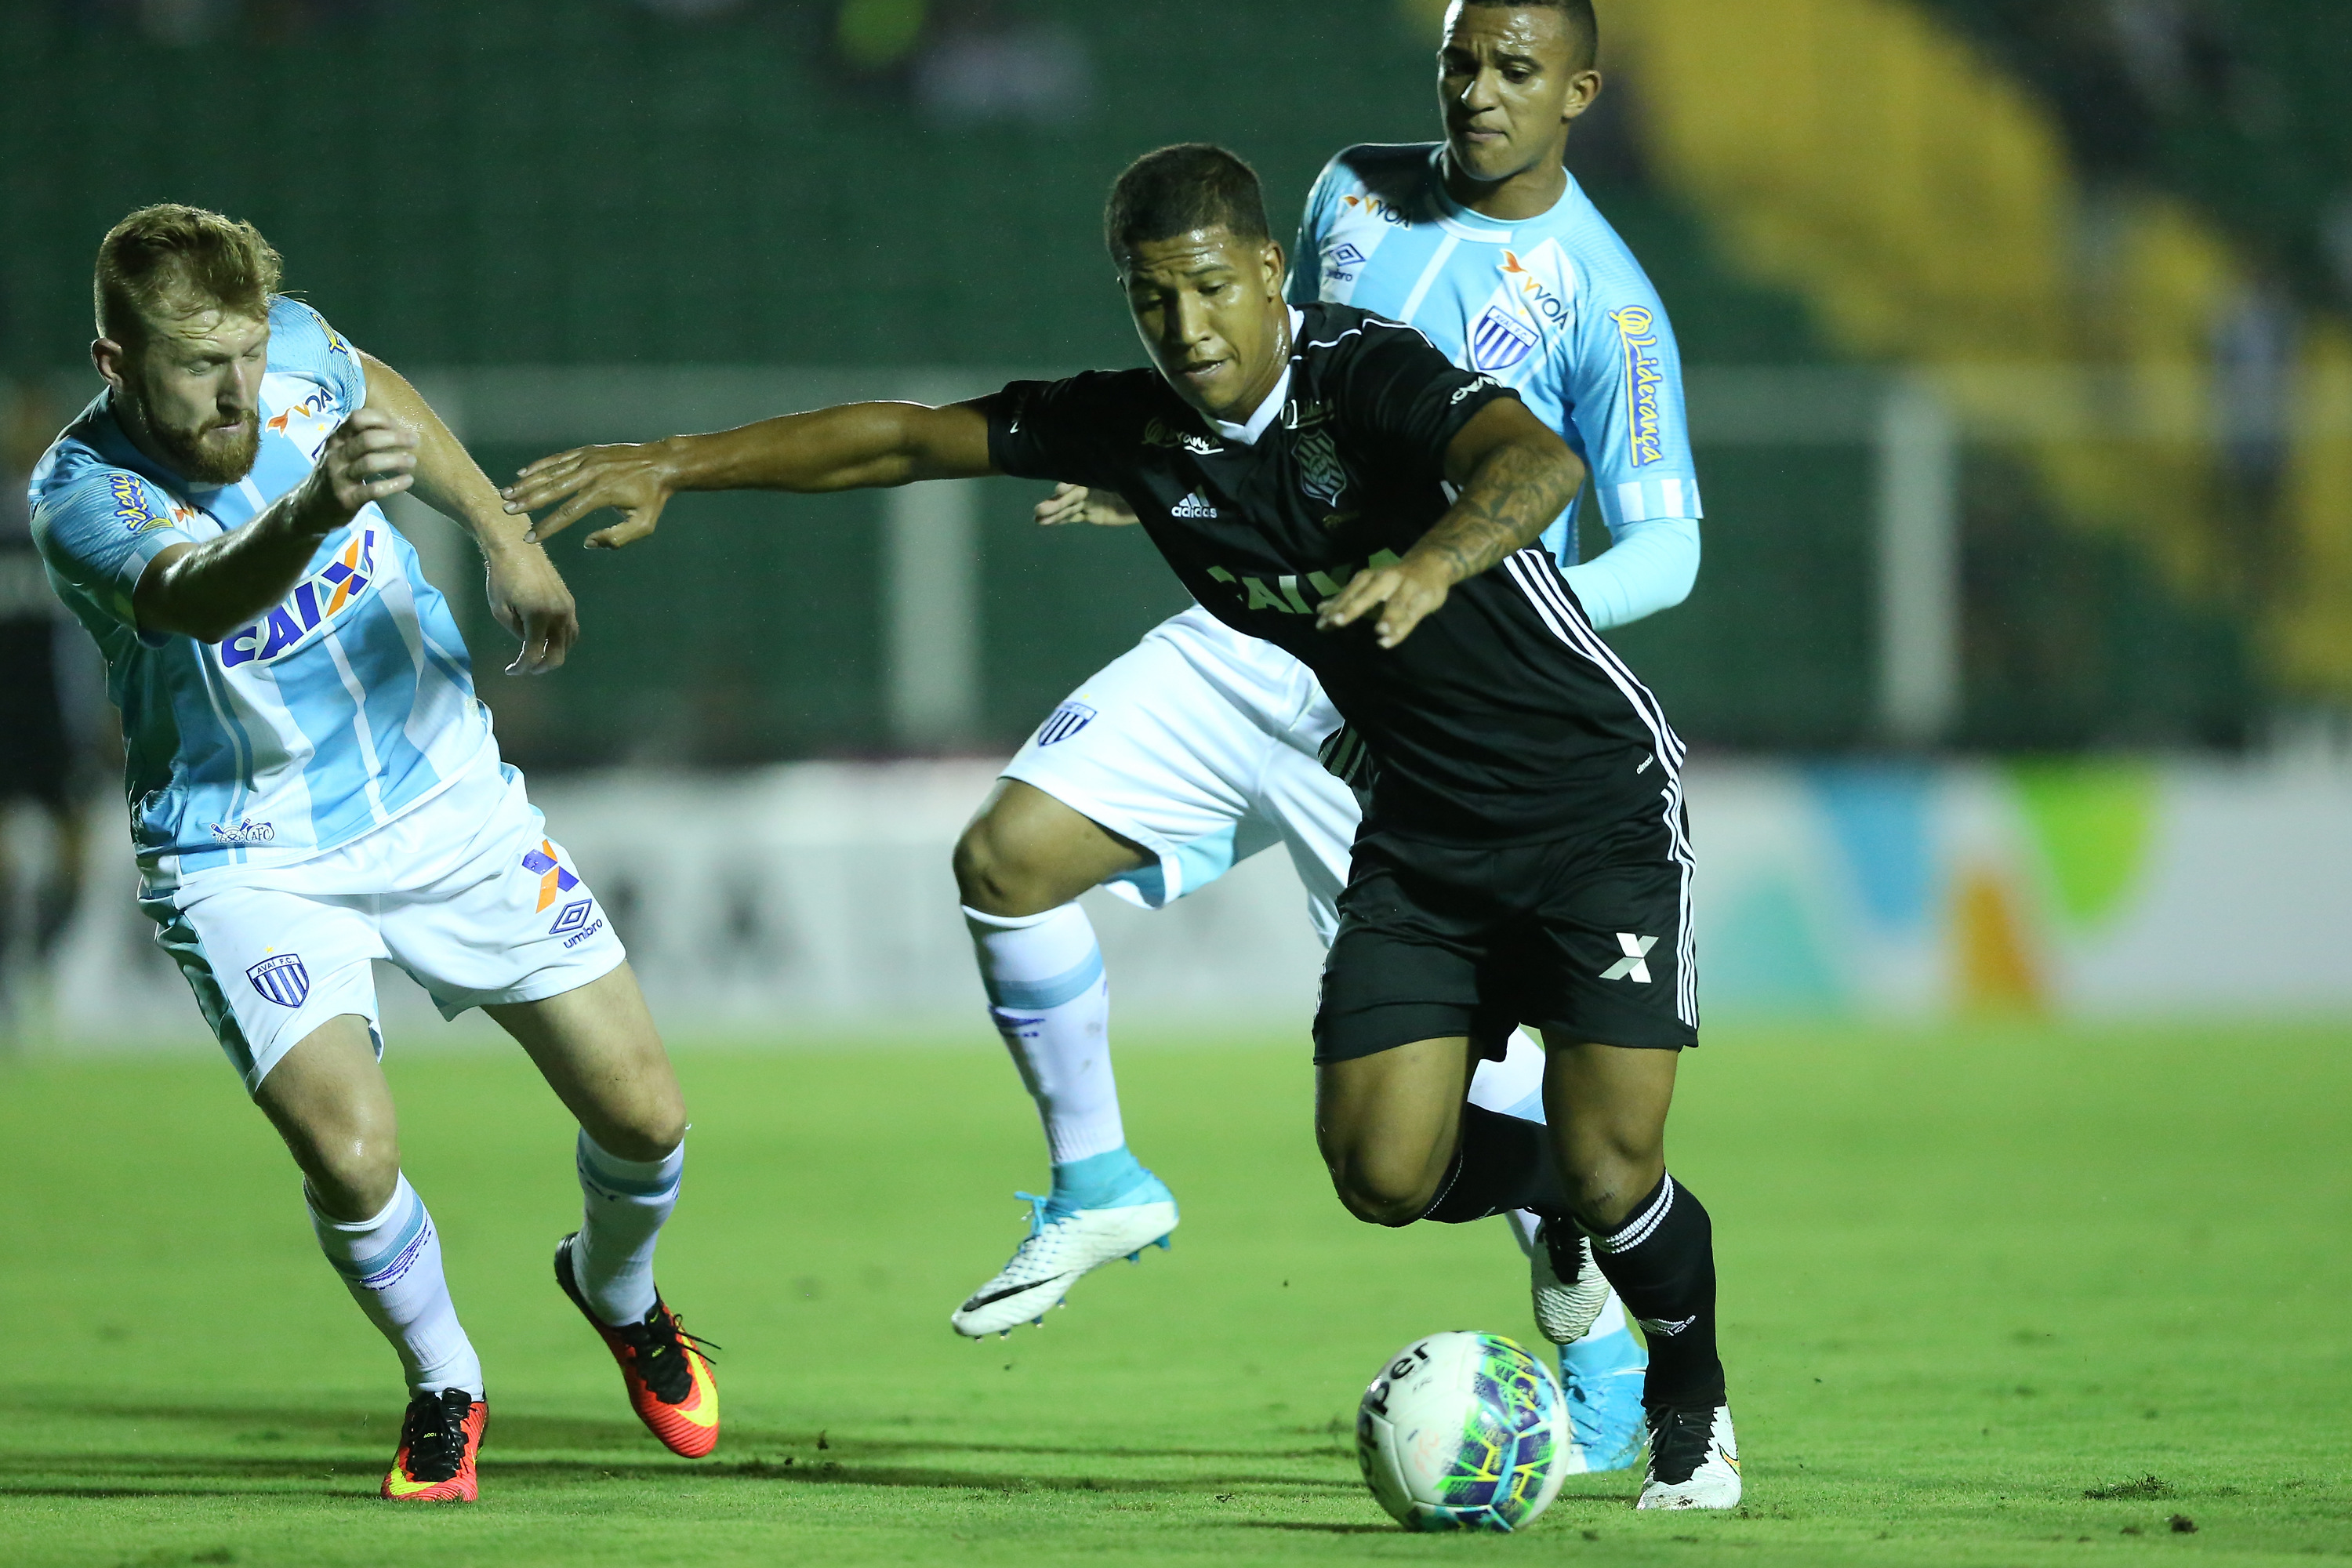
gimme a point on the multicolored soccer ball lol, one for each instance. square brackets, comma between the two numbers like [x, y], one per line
[1463, 1431]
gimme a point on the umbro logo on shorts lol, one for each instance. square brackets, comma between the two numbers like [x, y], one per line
[282, 979]
[575, 916]
[1064, 722]
[1635, 965]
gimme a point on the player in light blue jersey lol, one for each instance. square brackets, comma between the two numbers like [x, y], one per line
[312, 785]
[1532, 286]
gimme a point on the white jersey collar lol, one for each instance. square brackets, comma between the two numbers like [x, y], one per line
[1247, 434]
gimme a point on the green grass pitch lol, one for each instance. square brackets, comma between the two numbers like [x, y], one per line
[1968, 1276]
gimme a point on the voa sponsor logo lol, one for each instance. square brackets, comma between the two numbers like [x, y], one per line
[1376, 207]
[314, 602]
[1539, 297]
[1283, 595]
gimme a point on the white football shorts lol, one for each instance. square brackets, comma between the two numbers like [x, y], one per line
[1200, 744]
[465, 891]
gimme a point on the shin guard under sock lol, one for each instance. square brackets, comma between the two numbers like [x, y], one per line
[624, 1205]
[392, 1265]
[1502, 1164]
[1661, 1259]
[1049, 1000]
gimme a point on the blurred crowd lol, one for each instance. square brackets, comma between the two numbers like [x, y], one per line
[52, 714]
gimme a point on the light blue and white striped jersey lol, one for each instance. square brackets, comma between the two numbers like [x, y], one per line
[1555, 306]
[344, 706]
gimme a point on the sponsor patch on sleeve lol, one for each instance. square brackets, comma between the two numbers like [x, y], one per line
[132, 508]
[1644, 378]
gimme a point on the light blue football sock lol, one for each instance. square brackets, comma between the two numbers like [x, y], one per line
[1107, 1180]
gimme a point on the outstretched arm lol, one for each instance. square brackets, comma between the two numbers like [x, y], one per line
[1514, 477]
[207, 591]
[857, 446]
[526, 593]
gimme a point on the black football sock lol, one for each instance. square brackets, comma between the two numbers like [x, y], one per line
[1504, 1163]
[1661, 1259]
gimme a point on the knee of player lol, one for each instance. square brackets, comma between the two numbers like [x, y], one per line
[1388, 1193]
[646, 1133]
[1605, 1183]
[355, 1171]
[989, 873]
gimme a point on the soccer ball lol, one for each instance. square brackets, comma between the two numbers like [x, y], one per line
[1463, 1431]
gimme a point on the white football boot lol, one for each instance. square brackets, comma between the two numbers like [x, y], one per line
[1602, 1364]
[1693, 1460]
[1058, 1251]
[1565, 1309]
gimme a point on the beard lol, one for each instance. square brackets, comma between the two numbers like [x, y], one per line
[208, 454]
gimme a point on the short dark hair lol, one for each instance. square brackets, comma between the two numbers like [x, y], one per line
[1583, 27]
[1178, 189]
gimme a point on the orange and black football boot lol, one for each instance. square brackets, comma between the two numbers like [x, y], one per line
[438, 1440]
[665, 1369]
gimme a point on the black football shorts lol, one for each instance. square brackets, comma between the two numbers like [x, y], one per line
[1589, 939]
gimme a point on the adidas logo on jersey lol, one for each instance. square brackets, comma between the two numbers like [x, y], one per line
[1194, 505]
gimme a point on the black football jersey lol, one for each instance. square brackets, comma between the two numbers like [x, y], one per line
[1503, 718]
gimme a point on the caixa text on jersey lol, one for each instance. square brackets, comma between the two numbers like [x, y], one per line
[1284, 593]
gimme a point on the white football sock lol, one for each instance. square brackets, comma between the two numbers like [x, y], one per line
[626, 1202]
[392, 1265]
[1051, 1002]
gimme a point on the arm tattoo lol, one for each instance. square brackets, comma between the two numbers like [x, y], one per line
[1512, 497]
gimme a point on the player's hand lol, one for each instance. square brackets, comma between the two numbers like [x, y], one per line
[528, 596]
[1406, 593]
[1077, 503]
[632, 480]
[370, 458]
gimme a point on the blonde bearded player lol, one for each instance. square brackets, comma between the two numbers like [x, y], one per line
[313, 785]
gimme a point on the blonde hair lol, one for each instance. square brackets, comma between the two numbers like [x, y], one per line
[170, 260]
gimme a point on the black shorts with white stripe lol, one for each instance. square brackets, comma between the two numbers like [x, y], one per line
[1586, 939]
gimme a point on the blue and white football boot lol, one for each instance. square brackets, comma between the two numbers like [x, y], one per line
[1602, 1364]
[1102, 1207]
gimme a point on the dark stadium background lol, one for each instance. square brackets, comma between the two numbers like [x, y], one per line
[806, 183]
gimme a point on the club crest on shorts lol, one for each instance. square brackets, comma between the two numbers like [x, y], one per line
[282, 979]
[1064, 722]
[553, 878]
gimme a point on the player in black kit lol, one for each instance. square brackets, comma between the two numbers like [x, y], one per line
[1328, 481]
